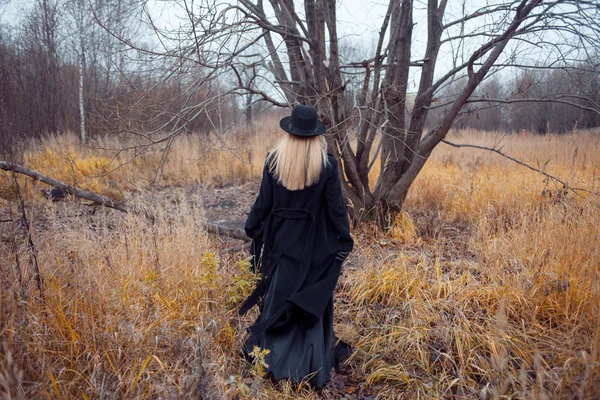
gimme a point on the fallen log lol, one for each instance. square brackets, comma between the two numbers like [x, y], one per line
[235, 233]
[84, 194]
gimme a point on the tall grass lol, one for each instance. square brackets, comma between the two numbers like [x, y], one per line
[487, 286]
[111, 166]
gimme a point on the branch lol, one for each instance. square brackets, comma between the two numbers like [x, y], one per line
[538, 100]
[249, 89]
[235, 233]
[480, 12]
[363, 64]
[547, 175]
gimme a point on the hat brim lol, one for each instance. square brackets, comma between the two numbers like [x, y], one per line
[285, 125]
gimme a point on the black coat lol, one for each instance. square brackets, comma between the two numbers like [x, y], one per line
[302, 232]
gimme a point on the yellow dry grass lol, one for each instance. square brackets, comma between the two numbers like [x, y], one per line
[486, 286]
[109, 166]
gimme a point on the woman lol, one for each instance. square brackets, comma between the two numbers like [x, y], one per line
[300, 219]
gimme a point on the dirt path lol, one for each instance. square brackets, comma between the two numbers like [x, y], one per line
[229, 205]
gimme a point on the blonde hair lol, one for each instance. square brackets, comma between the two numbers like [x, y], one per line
[296, 162]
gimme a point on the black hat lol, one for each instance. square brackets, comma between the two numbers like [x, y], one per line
[304, 122]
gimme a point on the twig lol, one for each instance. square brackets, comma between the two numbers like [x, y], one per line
[565, 184]
[30, 246]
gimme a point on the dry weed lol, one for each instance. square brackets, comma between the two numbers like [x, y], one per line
[487, 286]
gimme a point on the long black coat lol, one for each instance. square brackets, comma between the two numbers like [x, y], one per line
[302, 232]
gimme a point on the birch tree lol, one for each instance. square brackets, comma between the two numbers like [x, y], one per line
[77, 11]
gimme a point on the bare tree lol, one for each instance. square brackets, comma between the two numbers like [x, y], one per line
[77, 11]
[99, 56]
[58, 66]
[302, 54]
[40, 42]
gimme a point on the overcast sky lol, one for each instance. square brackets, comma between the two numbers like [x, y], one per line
[359, 22]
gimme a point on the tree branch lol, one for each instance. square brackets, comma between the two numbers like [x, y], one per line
[536, 100]
[547, 175]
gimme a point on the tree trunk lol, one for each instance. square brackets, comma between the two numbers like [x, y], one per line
[81, 100]
[249, 109]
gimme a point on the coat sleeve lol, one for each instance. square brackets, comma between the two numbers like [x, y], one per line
[262, 206]
[336, 209]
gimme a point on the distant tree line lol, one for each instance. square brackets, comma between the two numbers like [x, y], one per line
[64, 64]
[529, 101]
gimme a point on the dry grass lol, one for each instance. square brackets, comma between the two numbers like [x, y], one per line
[486, 287]
[104, 167]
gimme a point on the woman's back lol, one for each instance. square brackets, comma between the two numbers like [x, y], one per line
[323, 199]
[308, 197]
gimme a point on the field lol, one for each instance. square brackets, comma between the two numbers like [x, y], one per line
[486, 286]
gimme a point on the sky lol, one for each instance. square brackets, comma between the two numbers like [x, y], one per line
[359, 21]
[356, 17]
